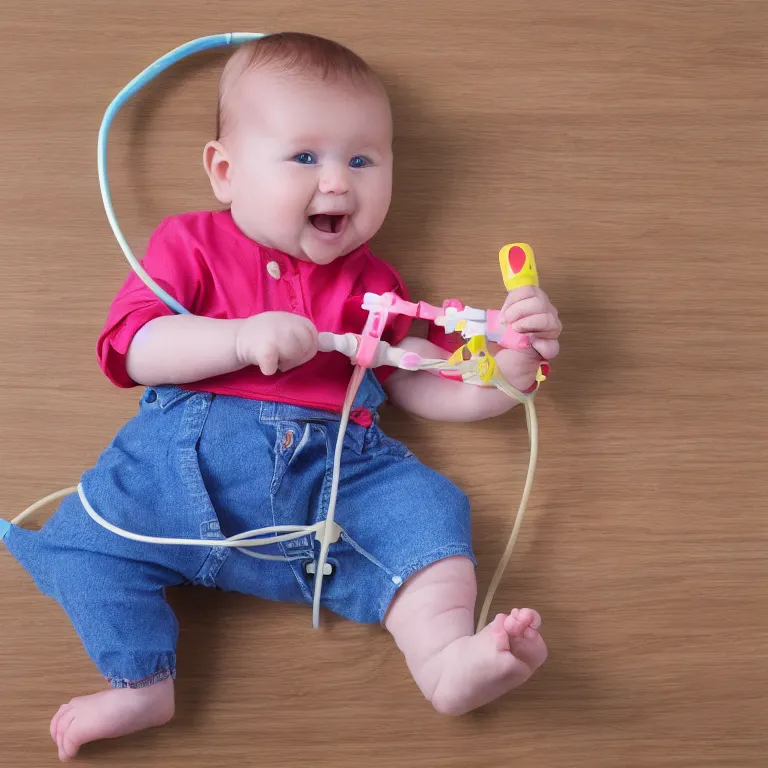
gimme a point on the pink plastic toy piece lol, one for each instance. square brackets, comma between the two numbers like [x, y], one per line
[370, 337]
[514, 340]
[410, 361]
[428, 311]
[396, 305]
[495, 326]
[379, 308]
[399, 306]
[504, 335]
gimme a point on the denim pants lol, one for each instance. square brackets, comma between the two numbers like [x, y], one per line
[198, 465]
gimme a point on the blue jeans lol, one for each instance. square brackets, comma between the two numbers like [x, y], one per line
[197, 465]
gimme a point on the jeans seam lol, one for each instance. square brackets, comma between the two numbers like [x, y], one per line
[145, 682]
[435, 556]
[367, 555]
[192, 423]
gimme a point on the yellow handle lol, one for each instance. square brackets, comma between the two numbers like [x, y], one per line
[518, 265]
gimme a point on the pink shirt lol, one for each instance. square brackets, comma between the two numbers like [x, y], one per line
[207, 264]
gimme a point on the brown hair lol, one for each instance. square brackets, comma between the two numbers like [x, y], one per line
[295, 52]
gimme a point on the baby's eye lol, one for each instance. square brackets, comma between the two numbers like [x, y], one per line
[358, 161]
[305, 158]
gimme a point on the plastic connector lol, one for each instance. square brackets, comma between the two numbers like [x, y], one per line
[310, 568]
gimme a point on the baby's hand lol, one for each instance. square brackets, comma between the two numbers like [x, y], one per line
[276, 341]
[529, 310]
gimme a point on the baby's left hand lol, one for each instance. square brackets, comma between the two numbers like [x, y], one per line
[529, 310]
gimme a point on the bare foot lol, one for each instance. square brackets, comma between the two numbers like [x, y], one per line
[109, 714]
[478, 669]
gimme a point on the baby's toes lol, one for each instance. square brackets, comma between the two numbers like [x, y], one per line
[533, 619]
[57, 718]
[522, 622]
[499, 633]
[514, 624]
[64, 741]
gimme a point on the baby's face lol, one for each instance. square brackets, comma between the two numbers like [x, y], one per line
[310, 163]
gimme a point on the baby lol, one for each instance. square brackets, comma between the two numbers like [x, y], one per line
[240, 413]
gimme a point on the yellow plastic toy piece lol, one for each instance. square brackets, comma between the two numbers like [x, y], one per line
[518, 265]
[485, 368]
[486, 365]
[458, 356]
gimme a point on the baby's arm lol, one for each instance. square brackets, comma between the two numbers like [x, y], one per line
[438, 399]
[142, 343]
[179, 349]
[526, 310]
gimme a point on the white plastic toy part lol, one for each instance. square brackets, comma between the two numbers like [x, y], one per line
[474, 319]
[347, 344]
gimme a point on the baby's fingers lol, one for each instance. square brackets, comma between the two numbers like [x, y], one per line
[521, 294]
[521, 309]
[268, 361]
[543, 323]
[306, 340]
[549, 349]
[299, 349]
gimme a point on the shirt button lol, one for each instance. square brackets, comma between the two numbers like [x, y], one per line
[274, 269]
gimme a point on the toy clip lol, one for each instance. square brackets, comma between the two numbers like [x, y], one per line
[480, 368]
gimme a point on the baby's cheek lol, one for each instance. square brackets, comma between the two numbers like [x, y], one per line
[276, 206]
[373, 213]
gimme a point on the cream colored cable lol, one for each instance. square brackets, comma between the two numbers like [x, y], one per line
[533, 438]
[42, 502]
[533, 434]
[349, 399]
[286, 532]
[239, 541]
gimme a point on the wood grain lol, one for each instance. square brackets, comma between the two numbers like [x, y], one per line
[626, 141]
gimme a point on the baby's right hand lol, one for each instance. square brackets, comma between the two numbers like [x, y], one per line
[276, 341]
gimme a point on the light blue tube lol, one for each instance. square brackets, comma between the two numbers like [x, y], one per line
[138, 82]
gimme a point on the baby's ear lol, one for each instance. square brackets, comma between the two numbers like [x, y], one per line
[217, 166]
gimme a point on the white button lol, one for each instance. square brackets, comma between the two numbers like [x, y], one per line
[274, 269]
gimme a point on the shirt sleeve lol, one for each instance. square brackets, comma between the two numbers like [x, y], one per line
[174, 262]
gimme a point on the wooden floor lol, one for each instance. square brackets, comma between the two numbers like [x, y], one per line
[626, 141]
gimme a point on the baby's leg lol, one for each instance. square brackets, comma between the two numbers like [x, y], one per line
[432, 621]
[109, 714]
[133, 642]
[117, 607]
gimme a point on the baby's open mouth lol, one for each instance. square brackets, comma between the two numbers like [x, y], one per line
[328, 222]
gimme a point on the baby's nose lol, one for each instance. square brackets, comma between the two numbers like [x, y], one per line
[335, 180]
